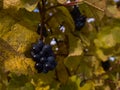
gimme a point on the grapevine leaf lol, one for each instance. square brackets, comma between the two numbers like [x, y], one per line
[94, 8]
[105, 39]
[75, 49]
[20, 38]
[112, 11]
[116, 34]
[101, 55]
[19, 82]
[58, 16]
[29, 5]
[11, 4]
[28, 86]
[13, 61]
[19, 65]
[98, 3]
[62, 73]
[70, 60]
[74, 84]
[17, 4]
[5, 24]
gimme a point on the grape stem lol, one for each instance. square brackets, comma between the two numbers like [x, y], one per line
[42, 15]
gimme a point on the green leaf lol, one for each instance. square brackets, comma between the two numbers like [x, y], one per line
[17, 4]
[116, 34]
[5, 23]
[62, 73]
[105, 38]
[74, 84]
[75, 46]
[29, 5]
[28, 86]
[21, 82]
[70, 60]
[101, 55]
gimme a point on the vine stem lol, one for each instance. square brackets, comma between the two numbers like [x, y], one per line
[42, 15]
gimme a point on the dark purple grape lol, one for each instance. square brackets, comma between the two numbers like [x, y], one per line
[47, 66]
[80, 22]
[36, 48]
[42, 54]
[39, 67]
[51, 59]
[40, 44]
[43, 60]
[106, 65]
[52, 66]
[47, 50]
[32, 53]
[79, 19]
[36, 57]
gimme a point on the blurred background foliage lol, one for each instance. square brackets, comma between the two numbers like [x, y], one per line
[80, 53]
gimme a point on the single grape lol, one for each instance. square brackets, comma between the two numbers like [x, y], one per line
[51, 59]
[47, 66]
[40, 44]
[53, 66]
[32, 53]
[39, 67]
[47, 50]
[36, 57]
[79, 25]
[80, 22]
[106, 65]
[42, 54]
[36, 48]
[43, 60]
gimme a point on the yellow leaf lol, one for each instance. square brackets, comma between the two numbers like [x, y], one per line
[20, 38]
[75, 48]
[101, 55]
[113, 11]
[19, 65]
[11, 3]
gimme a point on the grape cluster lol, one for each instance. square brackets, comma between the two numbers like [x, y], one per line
[43, 56]
[79, 19]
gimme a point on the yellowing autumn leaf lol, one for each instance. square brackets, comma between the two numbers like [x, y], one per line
[17, 4]
[20, 38]
[19, 65]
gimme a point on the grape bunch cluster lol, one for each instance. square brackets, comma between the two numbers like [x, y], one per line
[44, 57]
[79, 19]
